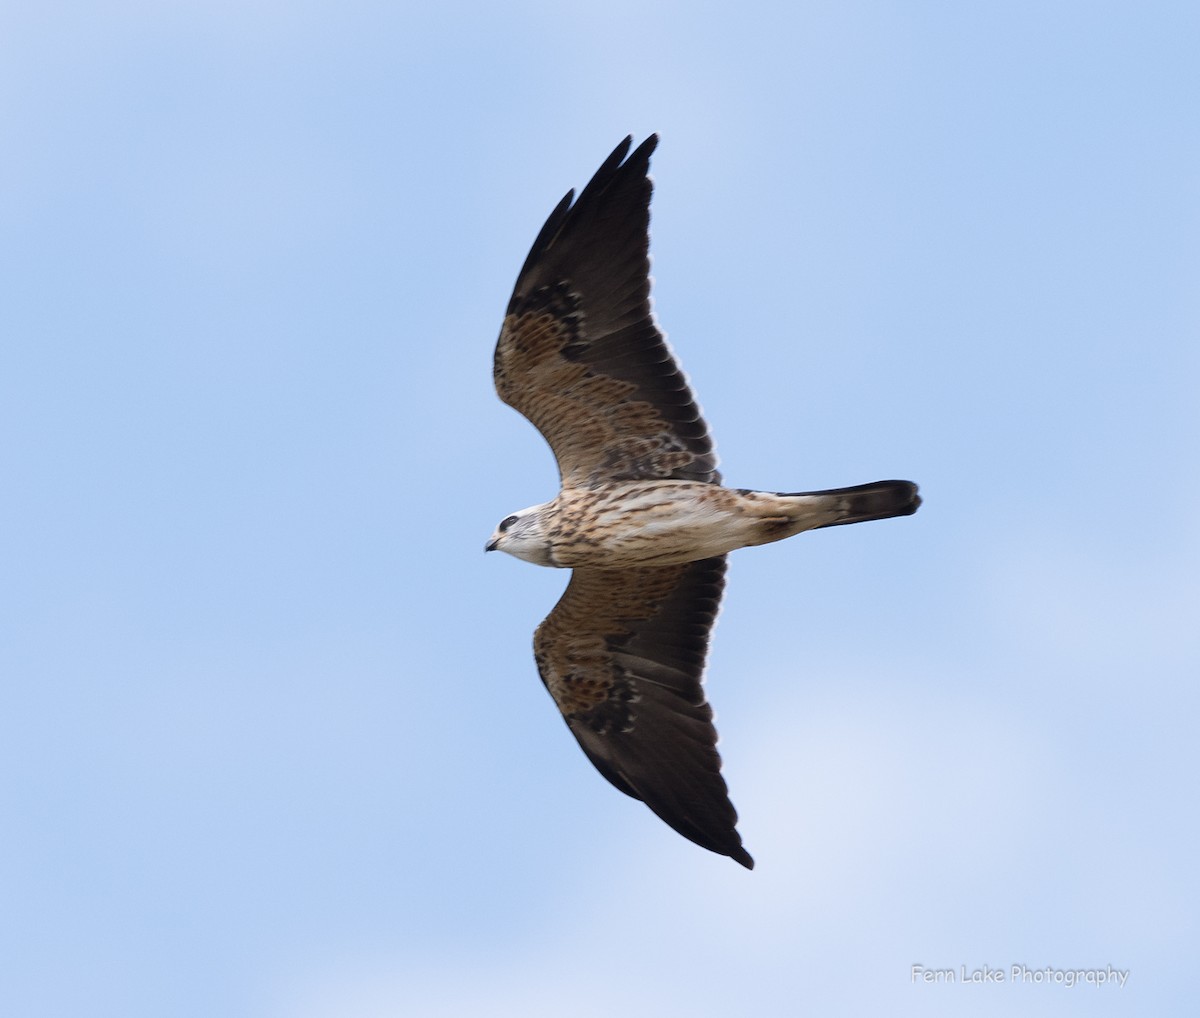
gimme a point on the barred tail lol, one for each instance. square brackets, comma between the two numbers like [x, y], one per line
[879, 500]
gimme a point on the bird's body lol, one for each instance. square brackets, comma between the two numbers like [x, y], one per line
[642, 519]
[668, 522]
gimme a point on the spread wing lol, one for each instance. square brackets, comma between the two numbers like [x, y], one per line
[579, 353]
[622, 654]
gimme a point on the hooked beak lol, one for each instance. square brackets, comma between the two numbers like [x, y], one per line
[492, 545]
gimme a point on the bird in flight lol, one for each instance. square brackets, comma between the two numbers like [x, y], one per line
[642, 519]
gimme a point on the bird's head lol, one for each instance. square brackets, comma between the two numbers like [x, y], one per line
[525, 535]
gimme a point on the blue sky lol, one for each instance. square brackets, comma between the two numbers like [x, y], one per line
[272, 742]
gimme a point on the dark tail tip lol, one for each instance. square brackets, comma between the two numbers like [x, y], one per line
[879, 500]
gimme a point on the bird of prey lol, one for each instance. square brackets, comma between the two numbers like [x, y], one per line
[642, 518]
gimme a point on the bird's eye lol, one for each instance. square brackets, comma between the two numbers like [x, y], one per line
[507, 522]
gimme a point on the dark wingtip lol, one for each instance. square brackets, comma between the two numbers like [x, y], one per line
[646, 147]
[618, 154]
[743, 857]
[617, 159]
[611, 168]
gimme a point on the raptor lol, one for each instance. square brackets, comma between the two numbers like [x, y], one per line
[642, 519]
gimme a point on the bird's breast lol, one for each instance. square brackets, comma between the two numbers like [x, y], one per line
[647, 523]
